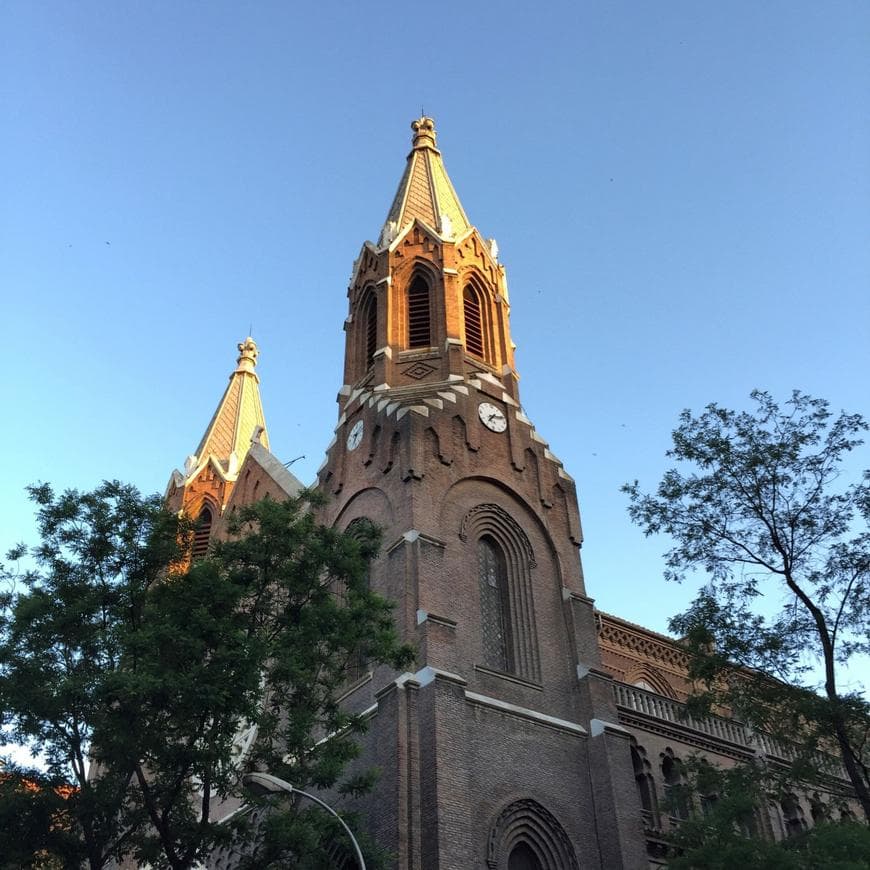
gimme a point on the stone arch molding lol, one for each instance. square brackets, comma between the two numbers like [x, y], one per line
[527, 822]
[485, 518]
[492, 521]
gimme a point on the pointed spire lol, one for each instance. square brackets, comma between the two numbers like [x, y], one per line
[425, 191]
[239, 415]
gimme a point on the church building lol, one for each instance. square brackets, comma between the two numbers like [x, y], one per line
[536, 732]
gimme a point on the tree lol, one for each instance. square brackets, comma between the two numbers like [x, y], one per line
[35, 822]
[757, 502]
[724, 829]
[134, 679]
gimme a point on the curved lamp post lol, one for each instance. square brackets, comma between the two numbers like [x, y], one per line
[265, 783]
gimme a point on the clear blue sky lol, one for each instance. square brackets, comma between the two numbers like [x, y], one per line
[680, 192]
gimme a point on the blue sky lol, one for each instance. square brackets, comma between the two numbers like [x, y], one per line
[680, 192]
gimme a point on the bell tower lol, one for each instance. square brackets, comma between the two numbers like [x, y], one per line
[502, 750]
[203, 489]
[429, 302]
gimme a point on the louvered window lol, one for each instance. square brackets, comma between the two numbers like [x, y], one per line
[419, 331]
[495, 626]
[473, 323]
[370, 322]
[202, 534]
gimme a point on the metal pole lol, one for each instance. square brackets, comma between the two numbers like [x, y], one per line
[265, 782]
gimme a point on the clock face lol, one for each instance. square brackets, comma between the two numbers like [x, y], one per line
[355, 436]
[492, 417]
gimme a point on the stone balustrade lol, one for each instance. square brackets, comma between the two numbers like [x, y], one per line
[659, 707]
[639, 700]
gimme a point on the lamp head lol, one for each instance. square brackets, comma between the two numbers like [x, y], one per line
[262, 784]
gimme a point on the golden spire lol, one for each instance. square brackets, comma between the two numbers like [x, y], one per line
[239, 415]
[425, 191]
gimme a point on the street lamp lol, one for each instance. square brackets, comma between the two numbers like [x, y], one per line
[265, 783]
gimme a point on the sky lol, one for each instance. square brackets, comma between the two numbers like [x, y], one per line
[680, 192]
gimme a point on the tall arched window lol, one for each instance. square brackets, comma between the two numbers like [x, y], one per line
[793, 815]
[419, 326]
[646, 788]
[361, 529]
[495, 624]
[503, 557]
[474, 337]
[202, 533]
[369, 310]
[676, 793]
[818, 810]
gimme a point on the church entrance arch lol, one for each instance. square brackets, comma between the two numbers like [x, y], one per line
[526, 836]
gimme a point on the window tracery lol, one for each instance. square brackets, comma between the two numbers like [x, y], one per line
[646, 786]
[676, 794]
[792, 815]
[503, 558]
[492, 576]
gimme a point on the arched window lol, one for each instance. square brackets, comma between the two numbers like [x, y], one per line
[793, 816]
[419, 327]
[369, 319]
[676, 792]
[523, 858]
[495, 623]
[646, 788]
[503, 557]
[361, 529]
[202, 533]
[474, 336]
[846, 814]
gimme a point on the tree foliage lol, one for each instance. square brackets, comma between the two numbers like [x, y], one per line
[134, 679]
[726, 827]
[757, 502]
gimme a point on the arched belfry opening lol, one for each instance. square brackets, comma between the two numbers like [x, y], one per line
[473, 311]
[202, 532]
[369, 328]
[419, 313]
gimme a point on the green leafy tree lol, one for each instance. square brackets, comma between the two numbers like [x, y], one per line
[757, 502]
[35, 821]
[725, 828]
[308, 598]
[134, 680]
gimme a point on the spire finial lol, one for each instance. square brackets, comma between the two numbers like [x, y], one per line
[248, 354]
[424, 132]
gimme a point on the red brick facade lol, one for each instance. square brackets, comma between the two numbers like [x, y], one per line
[535, 732]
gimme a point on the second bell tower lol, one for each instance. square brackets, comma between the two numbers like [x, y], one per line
[502, 749]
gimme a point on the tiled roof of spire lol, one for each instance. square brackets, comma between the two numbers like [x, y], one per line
[238, 415]
[425, 191]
